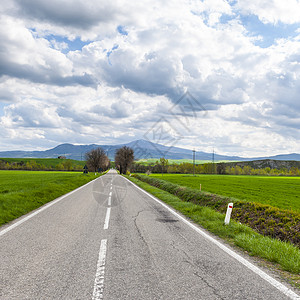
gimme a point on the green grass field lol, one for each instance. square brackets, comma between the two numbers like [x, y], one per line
[281, 192]
[24, 191]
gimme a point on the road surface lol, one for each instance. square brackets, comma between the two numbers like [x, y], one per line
[110, 240]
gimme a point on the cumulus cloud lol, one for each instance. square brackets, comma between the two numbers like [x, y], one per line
[77, 13]
[83, 116]
[77, 18]
[26, 57]
[182, 59]
[136, 61]
[273, 11]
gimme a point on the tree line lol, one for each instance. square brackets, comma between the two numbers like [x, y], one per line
[162, 166]
[32, 165]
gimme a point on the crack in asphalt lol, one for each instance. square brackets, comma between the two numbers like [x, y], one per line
[196, 266]
[181, 251]
[137, 227]
[152, 261]
[186, 256]
[209, 285]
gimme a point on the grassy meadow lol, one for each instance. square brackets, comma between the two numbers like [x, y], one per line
[281, 192]
[24, 191]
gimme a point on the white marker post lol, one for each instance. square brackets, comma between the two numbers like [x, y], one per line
[228, 213]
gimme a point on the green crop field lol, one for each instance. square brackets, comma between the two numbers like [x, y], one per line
[23, 191]
[281, 192]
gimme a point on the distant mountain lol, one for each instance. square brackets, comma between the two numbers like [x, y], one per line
[68, 150]
[142, 149]
[292, 156]
[266, 163]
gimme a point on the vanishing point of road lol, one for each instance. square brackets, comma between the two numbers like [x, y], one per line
[111, 240]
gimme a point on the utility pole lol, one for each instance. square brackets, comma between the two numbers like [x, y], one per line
[213, 161]
[194, 152]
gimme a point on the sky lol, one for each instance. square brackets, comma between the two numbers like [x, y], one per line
[203, 75]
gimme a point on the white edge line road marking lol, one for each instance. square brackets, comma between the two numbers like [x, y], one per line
[99, 279]
[288, 292]
[107, 218]
[110, 193]
[109, 201]
[10, 227]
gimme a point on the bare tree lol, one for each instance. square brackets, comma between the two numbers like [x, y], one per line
[96, 159]
[124, 158]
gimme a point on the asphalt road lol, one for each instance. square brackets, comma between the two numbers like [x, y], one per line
[110, 240]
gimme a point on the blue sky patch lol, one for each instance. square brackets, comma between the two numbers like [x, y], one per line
[269, 32]
[226, 18]
[2, 105]
[110, 52]
[122, 30]
[74, 45]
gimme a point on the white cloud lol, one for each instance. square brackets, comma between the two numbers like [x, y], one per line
[81, 116]
[59, 45]
[24, 56]
[119, 84]
[273, 11]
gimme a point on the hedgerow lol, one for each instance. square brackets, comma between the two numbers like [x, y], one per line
[265, 219]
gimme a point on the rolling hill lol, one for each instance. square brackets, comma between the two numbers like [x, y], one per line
[143, 149]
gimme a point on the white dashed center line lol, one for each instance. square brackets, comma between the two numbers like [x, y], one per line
[107, 218]
[99, 279]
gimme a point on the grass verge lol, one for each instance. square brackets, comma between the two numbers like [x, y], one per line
[265, 219]
[285, 255]
[24, 191]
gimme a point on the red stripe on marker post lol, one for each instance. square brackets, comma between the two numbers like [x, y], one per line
[228, 213]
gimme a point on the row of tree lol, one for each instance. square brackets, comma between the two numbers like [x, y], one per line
[246, 170]
[162, 166]
[32, 165]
